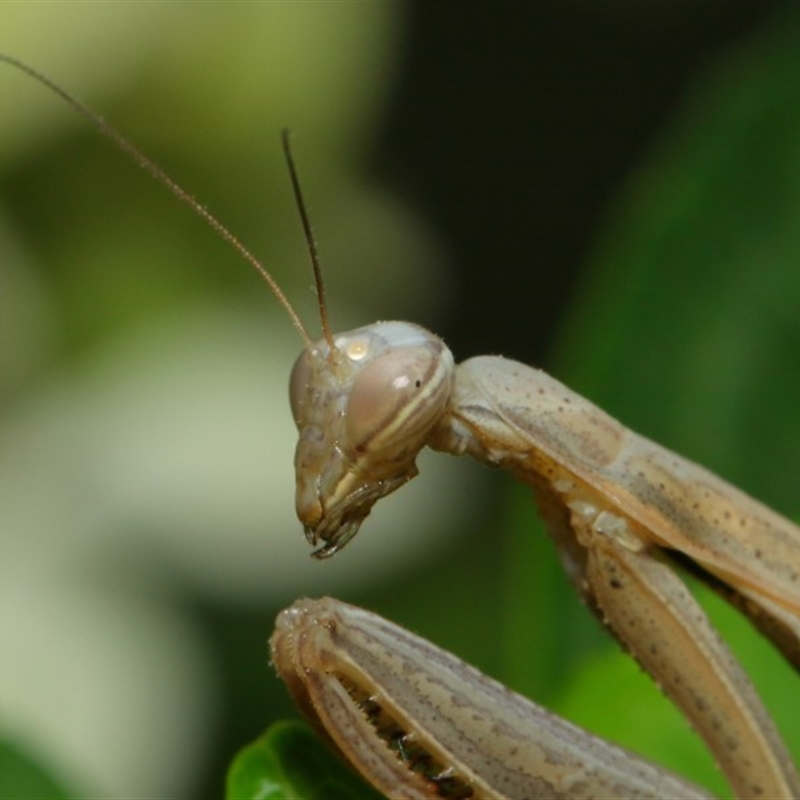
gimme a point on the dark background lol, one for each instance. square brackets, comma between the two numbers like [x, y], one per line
[558, 103]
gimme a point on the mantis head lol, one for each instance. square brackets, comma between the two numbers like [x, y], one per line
[364, 409]
[364, 402]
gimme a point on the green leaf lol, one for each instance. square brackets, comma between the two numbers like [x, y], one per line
[289, 762]
[22, 778]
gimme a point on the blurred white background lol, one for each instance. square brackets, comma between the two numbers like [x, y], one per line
[146, 442]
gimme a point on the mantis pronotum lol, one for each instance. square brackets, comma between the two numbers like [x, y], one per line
[365, 403]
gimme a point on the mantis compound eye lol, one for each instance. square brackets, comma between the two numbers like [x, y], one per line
[298, 383]
[393, 398]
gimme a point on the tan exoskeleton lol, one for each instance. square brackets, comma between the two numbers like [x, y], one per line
[617, 505]
[416, 721]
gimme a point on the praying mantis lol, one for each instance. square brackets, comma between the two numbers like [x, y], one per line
[414, 720]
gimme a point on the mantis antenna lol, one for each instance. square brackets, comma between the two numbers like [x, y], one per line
[158, 173]
[311, 242]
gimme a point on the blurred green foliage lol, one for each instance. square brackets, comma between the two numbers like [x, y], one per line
[23, 778]
[687, 328]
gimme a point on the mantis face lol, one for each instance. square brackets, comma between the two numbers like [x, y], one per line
[363, 410]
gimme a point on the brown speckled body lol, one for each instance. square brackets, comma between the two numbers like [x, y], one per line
[621, 509]
[617, 504]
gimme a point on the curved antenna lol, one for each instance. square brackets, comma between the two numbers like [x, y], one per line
[150, 166]
[310, 241]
